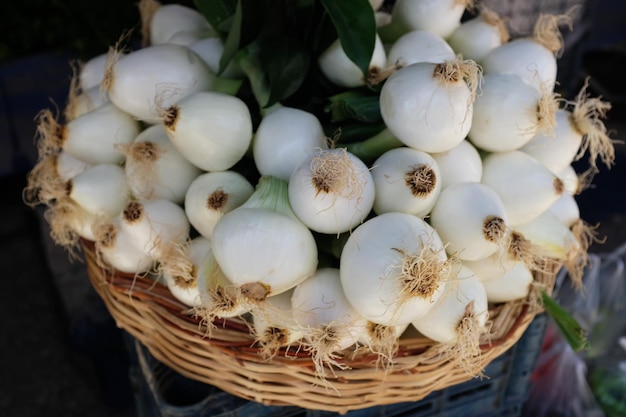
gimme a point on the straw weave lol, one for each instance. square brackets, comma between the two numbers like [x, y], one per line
[230, 361]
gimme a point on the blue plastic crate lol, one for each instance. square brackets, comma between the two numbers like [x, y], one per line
[162, 392]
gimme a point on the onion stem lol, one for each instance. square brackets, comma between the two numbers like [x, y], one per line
[371, 148]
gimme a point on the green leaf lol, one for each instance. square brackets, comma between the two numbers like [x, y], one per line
[571, 330]
[354, 105]
[286, 64]
[356, 27]
[246, 25]
[217, 12]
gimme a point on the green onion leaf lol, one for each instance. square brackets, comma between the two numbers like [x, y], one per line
[571, 330]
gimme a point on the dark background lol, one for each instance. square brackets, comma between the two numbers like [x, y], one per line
[60, 353]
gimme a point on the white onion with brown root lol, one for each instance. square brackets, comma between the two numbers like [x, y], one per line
[147, 80]
[213, 194]
[405, 180]
[429, 106]
[276, 327]
[536, 187]
[579, 129]
[340, 70]
[332, 191]
[278, 249]
[326, 318]
[157, 226]
[115, 249]
[471, 220]
[393, 268]
[508, 113]
[180, 273]
[458, 319]
[212, 130]
[92, 137]
[155, 168]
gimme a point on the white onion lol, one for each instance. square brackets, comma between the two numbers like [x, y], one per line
[339, 69]
[536, 188]
[213, 194]
[393, 268]
[532, 58]
[212, 130]
[332, 191]
[476, 37]
[419, 46]
[210, 50]
[459, 317]
[284, 139]
[471, 219]
[429, 106]
[328, 321]
[279, 251]
[157, 226]
[183, 282]
[405, 180]
[508, 113]
[277, 326]
[169, 19]
[116, 249]
[92, 72]
[148, 80]
[462, 163]
[438, 16]
[154, 167]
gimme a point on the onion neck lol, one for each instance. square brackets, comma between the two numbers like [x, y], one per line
[271, 194]
[373, 147]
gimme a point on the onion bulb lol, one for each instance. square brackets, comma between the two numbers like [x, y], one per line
[154, 167]
[332, 191]
[339, 69]
[212, 130]
[462, 163]
[115, 249]
[279, 251]
[477, 36]
[509, 113]
[579, 129]
[441, 17]
[458, 319]
[419, 46]
[181, 274]
[429, 106]
[393, 268]
[471, 219]
[532, 58]
[284, 139]
[329, 323]
[536, 187]
[405, 180]
[276, 327]
[92, 137]
[150, 79]
[213, 194]
[157, 226]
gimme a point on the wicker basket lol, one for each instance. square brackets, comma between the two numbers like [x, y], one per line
[229, 360]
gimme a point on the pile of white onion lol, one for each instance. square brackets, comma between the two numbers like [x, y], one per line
[475, 192]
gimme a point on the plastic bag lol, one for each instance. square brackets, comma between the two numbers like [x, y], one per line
[592, 382]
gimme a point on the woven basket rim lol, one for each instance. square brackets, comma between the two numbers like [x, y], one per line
[229, 360]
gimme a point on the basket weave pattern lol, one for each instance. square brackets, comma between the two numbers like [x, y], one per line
[229, 360]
